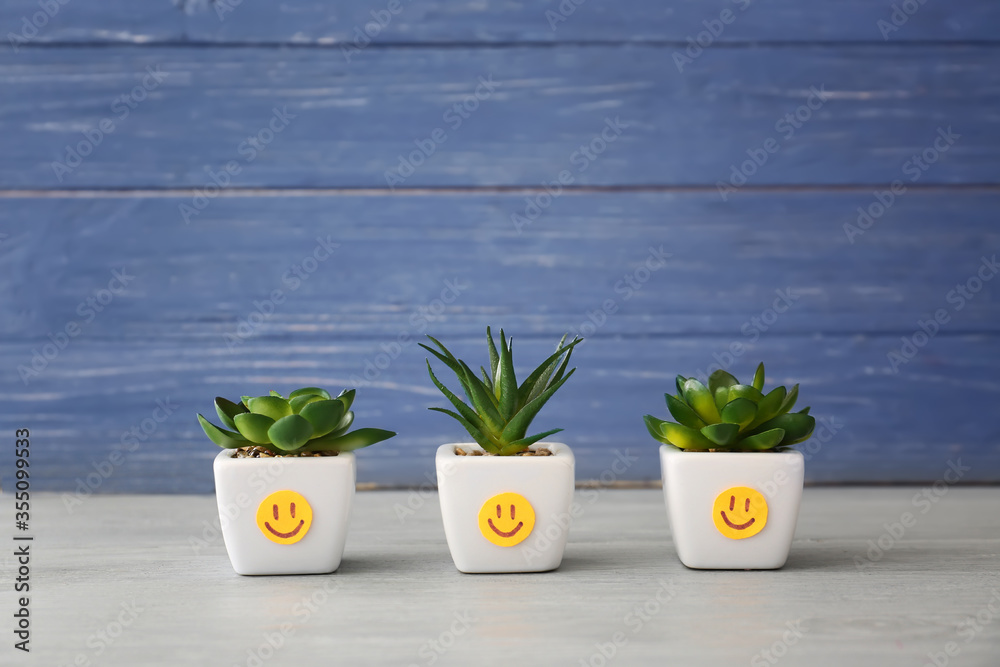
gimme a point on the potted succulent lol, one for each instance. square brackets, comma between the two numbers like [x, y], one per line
[284, 481]
[731, 485]
[505, 498]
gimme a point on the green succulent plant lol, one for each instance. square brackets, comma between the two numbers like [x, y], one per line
[730, 416]
[501, 411]
[309, 420]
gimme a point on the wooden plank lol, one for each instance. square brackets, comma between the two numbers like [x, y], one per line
[882, 427]
[318, 23]
[397, 593]
[729, 263]
[354, 123]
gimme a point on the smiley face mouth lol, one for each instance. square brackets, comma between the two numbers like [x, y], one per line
[502, 533]
[736, 526]
[285, 536]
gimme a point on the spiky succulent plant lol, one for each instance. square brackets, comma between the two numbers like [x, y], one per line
[730, 416]
[309, 420]
[501, 411]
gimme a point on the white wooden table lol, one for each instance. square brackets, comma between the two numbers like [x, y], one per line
[119, 581]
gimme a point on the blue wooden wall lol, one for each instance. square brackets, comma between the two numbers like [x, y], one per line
[116, 117]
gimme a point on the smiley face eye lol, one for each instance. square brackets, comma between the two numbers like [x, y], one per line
[732, 503]
[746, 509]
[511, 512]
[293, 509]
[274, 510]
[498, 511]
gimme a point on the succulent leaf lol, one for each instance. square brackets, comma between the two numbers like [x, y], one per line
[306, 391]
[701, 401]
[323, 416]
[748, 420]
[683, 437]
[499, 412]
[683, 413]
[524, 443]
[271, 406]
[720, 378]
[302, 400]
[739, 411]
[761, 441]
[290, 432]
[347, 398]
[721, 434]
[227, 410]
[363, 437]
[254, 427]
[769, 407]
[745, 391]
[222, 437]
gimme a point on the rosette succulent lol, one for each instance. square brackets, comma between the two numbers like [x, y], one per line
[309, 420]
[501, 410]
[729, 416]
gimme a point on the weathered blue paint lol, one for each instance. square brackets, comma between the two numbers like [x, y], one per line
[214, 305]
[604, 115]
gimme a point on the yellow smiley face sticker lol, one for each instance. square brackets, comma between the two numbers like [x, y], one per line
[506, 519]
[284, 517]
[740, 512]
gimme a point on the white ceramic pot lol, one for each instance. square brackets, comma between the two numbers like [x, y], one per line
[732, 510]
[285, 515]
[506, 513]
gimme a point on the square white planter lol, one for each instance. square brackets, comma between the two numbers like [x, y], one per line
[506, 513]
[732, 510]
[264, 534]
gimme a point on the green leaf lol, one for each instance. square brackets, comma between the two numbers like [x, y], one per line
[740, 411]
[789, 401]
[763, 441]
[768, 408]
[272, 406]
[487, 380]
[254, 427]
[679, 383]
[482, 401]
[562, 367]
[226, 410]
[290, 432]
[720, 378]
[701, 401]
[305, 391]
[347, 398]
[363, 437]
[721, 434]
[274, 393]
[345, 423]
[222, 437]
[246, 401]
[524, 443]
[303, 400]
[494, 357]
[721, 397]
[758, 378]
[745, 391]
[324, 416]
[683, 413]
[518, 425]
[677, 435]
[454, 365]
[467, 413]
[476, 434]
[508, 381]
[796, 426]
[535, 383]
[804, 411]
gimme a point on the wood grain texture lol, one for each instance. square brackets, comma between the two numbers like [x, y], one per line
[311, 22]
[397, 589]
[727, 263]
[881, 426]
[354, 122]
